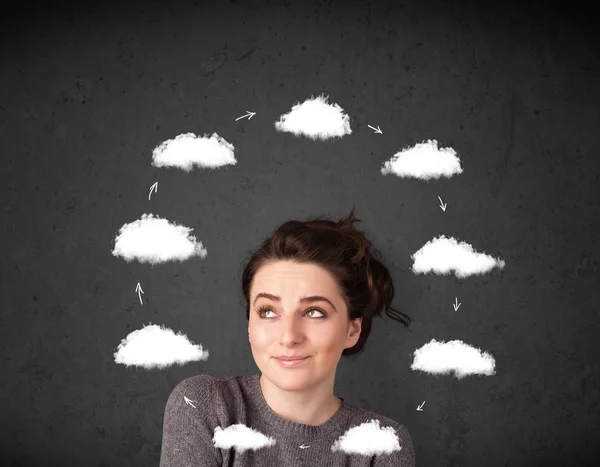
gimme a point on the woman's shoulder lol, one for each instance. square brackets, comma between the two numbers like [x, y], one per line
[203, 384]
[362, 416]
[197, 382]
[221, 399]
[393, 434]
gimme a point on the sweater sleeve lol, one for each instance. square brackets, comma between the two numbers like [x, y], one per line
[405, 457]
[188, 426]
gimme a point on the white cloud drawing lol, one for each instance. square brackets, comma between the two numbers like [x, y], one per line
[368, 439]
[438, 357]
[154, 240]
[188, 149]
[315, 119]
[443, 255]
[241, 438]
[157, 347]
[424, 161]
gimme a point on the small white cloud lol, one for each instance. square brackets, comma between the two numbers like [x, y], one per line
[154, 240]
[241, 438]
[188, 149]
[424, 161]
[315, 119]
[442, 358]
[442, 255]
[156, 347]
[368, 439]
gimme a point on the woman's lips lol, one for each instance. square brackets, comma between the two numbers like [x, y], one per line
[290, 363]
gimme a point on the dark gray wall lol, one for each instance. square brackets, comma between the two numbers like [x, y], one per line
[87, 93]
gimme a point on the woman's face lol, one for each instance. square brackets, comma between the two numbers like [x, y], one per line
[288, 326]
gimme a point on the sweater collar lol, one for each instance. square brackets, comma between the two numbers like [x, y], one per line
[337, 422]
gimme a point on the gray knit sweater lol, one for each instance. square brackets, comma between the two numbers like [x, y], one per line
[201, 408]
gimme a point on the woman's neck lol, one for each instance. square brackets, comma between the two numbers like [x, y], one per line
[309, 408]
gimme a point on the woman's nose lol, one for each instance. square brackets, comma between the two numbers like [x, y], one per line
[291, 330]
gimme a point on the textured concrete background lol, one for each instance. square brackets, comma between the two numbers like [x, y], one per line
[86, 94]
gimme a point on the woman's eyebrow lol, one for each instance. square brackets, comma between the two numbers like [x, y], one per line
[312, 298]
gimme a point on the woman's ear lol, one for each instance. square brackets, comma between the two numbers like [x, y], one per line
[358, 324]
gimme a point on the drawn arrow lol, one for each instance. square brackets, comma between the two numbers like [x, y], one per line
[420, 407]
[456, 304]
[153, 187]
[139, 290]
[252, 114]
[377, 130]
[188, 401]
[443, 206]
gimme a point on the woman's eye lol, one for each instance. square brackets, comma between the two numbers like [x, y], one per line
[263, 311]
[318, 311]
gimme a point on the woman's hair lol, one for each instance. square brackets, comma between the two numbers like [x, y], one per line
[366, 284]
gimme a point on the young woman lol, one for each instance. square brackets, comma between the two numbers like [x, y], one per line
[312, 290]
